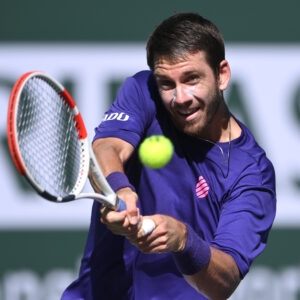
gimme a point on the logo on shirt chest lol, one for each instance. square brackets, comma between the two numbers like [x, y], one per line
[202, 187]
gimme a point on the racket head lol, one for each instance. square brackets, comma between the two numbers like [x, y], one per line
[47, 137]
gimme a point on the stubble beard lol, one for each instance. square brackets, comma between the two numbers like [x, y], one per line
[200, 127]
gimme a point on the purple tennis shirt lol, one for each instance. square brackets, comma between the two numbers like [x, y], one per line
[224, 191]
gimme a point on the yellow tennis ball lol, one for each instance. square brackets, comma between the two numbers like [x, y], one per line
[155, 151]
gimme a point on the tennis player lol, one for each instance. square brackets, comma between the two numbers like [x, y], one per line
[213, 204]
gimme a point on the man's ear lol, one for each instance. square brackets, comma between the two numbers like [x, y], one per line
[224, 75]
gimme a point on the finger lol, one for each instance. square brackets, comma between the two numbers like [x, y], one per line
[110, 216]
[133, 212]
[151, 248]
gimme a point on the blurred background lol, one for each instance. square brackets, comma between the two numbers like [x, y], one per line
[91, 46]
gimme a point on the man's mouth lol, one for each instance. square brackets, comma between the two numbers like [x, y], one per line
[187, 114]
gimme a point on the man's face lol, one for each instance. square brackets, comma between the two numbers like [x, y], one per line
[190, 91]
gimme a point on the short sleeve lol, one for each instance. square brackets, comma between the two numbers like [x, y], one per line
[247, 215]
[132, 111]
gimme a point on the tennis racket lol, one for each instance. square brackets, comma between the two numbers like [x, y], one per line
[49, 145]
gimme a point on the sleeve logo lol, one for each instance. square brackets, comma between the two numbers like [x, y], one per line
[116, 116]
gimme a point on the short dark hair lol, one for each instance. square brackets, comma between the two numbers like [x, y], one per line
[185, 33]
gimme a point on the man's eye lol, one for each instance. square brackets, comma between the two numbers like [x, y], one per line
[193, 79]
[165, 85]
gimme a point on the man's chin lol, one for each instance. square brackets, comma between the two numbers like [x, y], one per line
[190, 129]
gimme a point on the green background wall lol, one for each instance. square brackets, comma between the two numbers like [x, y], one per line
[133, 20]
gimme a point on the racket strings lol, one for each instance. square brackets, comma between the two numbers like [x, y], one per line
[47, 138]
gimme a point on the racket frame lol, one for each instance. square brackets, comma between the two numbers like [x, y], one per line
[89, 162]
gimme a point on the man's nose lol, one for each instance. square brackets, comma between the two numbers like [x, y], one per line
[182, 95]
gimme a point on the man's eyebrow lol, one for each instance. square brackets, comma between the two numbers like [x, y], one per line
[186, 73]
[159, 75]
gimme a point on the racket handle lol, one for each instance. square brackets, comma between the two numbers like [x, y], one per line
[148, 225]
[121, 205]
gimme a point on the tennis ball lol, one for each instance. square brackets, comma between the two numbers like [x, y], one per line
[155, 151]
